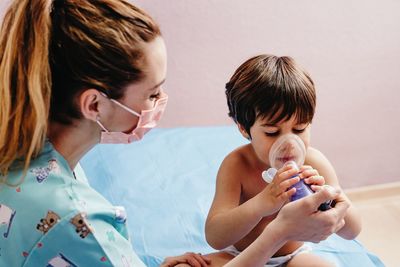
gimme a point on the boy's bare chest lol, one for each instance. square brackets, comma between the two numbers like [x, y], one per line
[252, 184]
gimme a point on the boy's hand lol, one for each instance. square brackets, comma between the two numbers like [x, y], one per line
[276, 194]
[311, 176]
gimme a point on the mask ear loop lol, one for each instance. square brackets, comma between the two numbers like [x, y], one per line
[121, 105]
[100, 124]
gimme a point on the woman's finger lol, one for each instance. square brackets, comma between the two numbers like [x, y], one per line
[204, 261]
[193, 262]
[169, 261]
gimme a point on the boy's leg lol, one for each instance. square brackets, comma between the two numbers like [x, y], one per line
[217, 259]
[308, 259]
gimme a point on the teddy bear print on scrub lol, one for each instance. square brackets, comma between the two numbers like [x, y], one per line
[82, 226]
[48, 222]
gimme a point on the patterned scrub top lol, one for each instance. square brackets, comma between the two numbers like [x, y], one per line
[54, 219]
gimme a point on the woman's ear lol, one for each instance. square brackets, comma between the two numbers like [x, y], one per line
[89, 101]
[243, 131]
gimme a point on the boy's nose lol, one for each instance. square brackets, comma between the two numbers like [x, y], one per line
[287, 148]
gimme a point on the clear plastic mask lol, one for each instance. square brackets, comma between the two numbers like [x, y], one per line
[288, 148]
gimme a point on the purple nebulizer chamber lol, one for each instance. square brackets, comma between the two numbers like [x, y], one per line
[290, 149]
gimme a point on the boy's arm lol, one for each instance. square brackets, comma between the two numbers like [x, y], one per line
[228, 220]
[319, 162]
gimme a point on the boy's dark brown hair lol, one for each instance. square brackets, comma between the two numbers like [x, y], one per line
[272, 88]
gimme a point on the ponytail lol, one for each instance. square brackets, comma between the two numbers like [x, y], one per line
[25, 82]
[50, 51]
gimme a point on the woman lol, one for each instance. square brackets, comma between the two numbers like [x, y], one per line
[74, 73]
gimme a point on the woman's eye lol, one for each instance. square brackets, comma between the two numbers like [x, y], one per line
[155, 96]
[299, 130]
[272, 134]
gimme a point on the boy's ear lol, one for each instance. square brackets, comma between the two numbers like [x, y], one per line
[243, 131]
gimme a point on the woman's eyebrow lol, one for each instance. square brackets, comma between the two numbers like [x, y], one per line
[157, 85]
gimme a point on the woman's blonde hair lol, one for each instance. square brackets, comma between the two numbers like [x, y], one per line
[52, 50]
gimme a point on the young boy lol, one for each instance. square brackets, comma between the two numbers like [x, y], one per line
[268, 97]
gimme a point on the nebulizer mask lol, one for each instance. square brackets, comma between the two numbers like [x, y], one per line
[289, 149]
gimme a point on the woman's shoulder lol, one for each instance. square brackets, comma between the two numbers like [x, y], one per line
[48, 198]
[47, 188]
[46, 163]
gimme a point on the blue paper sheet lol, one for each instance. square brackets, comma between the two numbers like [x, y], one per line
[166, 182]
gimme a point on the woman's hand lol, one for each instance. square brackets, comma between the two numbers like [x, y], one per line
[300, 220]
[276, 194]
[187, 259]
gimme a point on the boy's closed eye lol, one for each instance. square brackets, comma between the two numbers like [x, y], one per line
[272, 133]
[295, 130]
[271, 130]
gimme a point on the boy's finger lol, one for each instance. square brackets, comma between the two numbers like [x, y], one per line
[305, 167]
[308, 173]
[284, 169]
[317, 180]
[286, 175]
[288, 194]
[284, 185]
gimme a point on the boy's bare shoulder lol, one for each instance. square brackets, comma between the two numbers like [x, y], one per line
[313, 153]
[238, 155]
[235, 163]
[316, 158]
[313, 156]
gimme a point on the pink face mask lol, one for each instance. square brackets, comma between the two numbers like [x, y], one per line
[147, 120]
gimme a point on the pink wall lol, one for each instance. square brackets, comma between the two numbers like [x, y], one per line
[350, 47]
